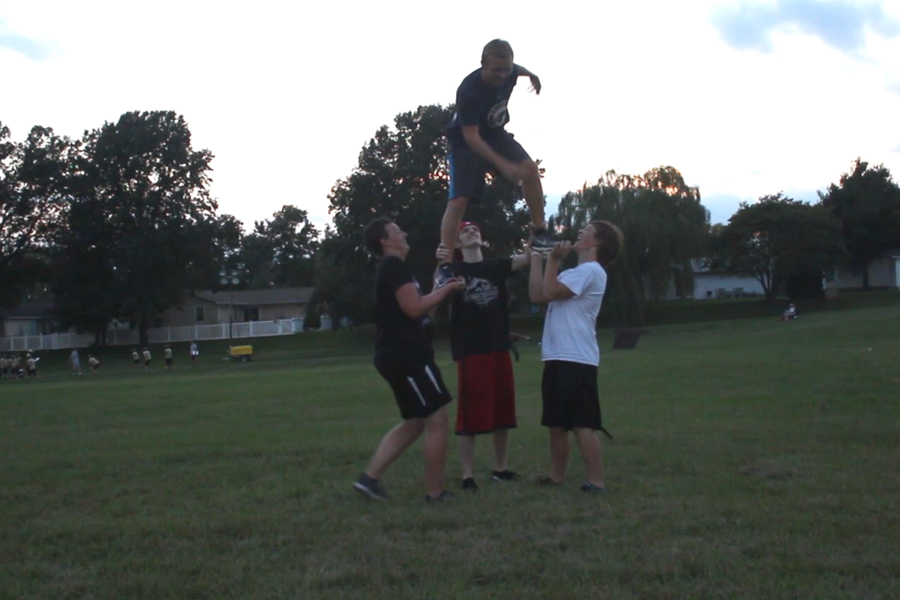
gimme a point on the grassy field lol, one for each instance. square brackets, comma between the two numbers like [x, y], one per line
[751, 459]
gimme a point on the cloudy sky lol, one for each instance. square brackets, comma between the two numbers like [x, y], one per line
[745, 98]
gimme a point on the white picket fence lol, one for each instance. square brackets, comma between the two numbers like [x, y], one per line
[159, 335]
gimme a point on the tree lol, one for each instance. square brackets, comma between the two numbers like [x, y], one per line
[32, 193]
[280, 251]
[140, 201]
[402, 174]
[778, 236]
[665, 228]
[867, 202]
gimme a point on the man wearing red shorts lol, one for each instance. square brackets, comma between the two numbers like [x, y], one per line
[480, 344]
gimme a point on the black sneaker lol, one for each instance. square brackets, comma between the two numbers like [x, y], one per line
[445, 495]
[444, 276]
[469, 484]
[592, 489]
[505, 475]
[542, 240]
[370, 487]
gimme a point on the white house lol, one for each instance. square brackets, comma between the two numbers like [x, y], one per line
[884, 272]
[710, 284]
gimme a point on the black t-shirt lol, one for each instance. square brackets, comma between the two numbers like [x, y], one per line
[479, 316]
[397, 337]
[478, 103]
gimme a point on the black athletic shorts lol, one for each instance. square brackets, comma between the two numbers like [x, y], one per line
[418, 387]
[467, 169]
[570, 396]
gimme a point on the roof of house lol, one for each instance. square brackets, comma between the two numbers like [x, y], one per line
[301, 295]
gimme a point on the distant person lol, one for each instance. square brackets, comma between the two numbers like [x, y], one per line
[569, 349]
[789, 313]
[195, 354]
[75, 361]
[480, 143]
[404, 357]
[147, 359]
[167, 354]
[31, 367]
[16, 366]
[94, 363]
[4, 367]
[135, 358]
[480, 345]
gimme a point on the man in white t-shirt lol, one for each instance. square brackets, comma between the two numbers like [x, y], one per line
[75, 362]
[569, 347]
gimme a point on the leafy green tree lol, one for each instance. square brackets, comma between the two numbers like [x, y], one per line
[867, 202]
[32, 194]
[140, 202]
[778, 236]
[665, 228]
[402, 174]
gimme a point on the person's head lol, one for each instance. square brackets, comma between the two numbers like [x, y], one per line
[469, 235]
[383, 236]
[496, 62]
[605, 238]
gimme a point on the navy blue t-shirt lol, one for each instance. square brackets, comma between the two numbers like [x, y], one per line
[479, 316]
[479, 103]
[397, 337]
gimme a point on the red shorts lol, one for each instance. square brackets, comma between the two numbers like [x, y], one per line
[487, 394]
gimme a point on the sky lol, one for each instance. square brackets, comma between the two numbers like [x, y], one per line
[745, 98]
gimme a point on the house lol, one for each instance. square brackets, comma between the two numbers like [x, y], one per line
[240, 306]
[884, 272]
[30, 318]
[710, 284]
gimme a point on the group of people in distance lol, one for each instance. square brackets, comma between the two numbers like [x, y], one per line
[11, 367]
[480, 332]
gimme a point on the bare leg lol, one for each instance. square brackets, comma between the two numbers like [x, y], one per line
[534, 193]
[592, 453]
[436, 451]
[393, 444]
[453, 216]
[501, 436]
[467, 454]
[559, 453]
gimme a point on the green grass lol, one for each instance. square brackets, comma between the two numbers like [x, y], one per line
[751, 459]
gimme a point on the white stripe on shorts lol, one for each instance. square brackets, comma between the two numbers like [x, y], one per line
[432, 378]
[415, 388]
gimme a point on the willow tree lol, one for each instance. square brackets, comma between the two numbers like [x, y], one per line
[665, 228]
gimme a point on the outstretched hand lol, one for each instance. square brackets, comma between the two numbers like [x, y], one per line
[535, 84]
[442, 253]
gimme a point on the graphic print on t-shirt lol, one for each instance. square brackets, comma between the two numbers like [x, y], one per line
[480, 291]
[498, 116]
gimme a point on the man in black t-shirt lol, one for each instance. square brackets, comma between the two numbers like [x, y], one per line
[480, 342]
[479, 143]
[405, 358]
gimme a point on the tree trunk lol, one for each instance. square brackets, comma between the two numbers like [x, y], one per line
[865, 275]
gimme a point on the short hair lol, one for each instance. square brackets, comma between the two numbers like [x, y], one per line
[611, 241]
[498, 49]
[374, 233]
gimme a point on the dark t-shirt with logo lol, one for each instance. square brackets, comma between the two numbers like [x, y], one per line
[478, 103]
[479, 316]
[397, 337]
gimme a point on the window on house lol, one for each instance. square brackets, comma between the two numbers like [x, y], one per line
[251, 313]
[201, 316]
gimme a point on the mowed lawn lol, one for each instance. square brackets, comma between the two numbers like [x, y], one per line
[751, 459]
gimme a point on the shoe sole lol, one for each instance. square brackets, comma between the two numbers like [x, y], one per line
[367, 492]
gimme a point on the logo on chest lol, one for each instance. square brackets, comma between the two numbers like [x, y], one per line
[480, 292]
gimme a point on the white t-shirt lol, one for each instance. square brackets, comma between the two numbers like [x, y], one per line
[570, 329]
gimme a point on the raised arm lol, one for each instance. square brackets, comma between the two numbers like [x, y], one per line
[535, 80]
[547, 287]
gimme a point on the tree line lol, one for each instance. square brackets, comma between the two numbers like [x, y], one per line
[118, 224]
